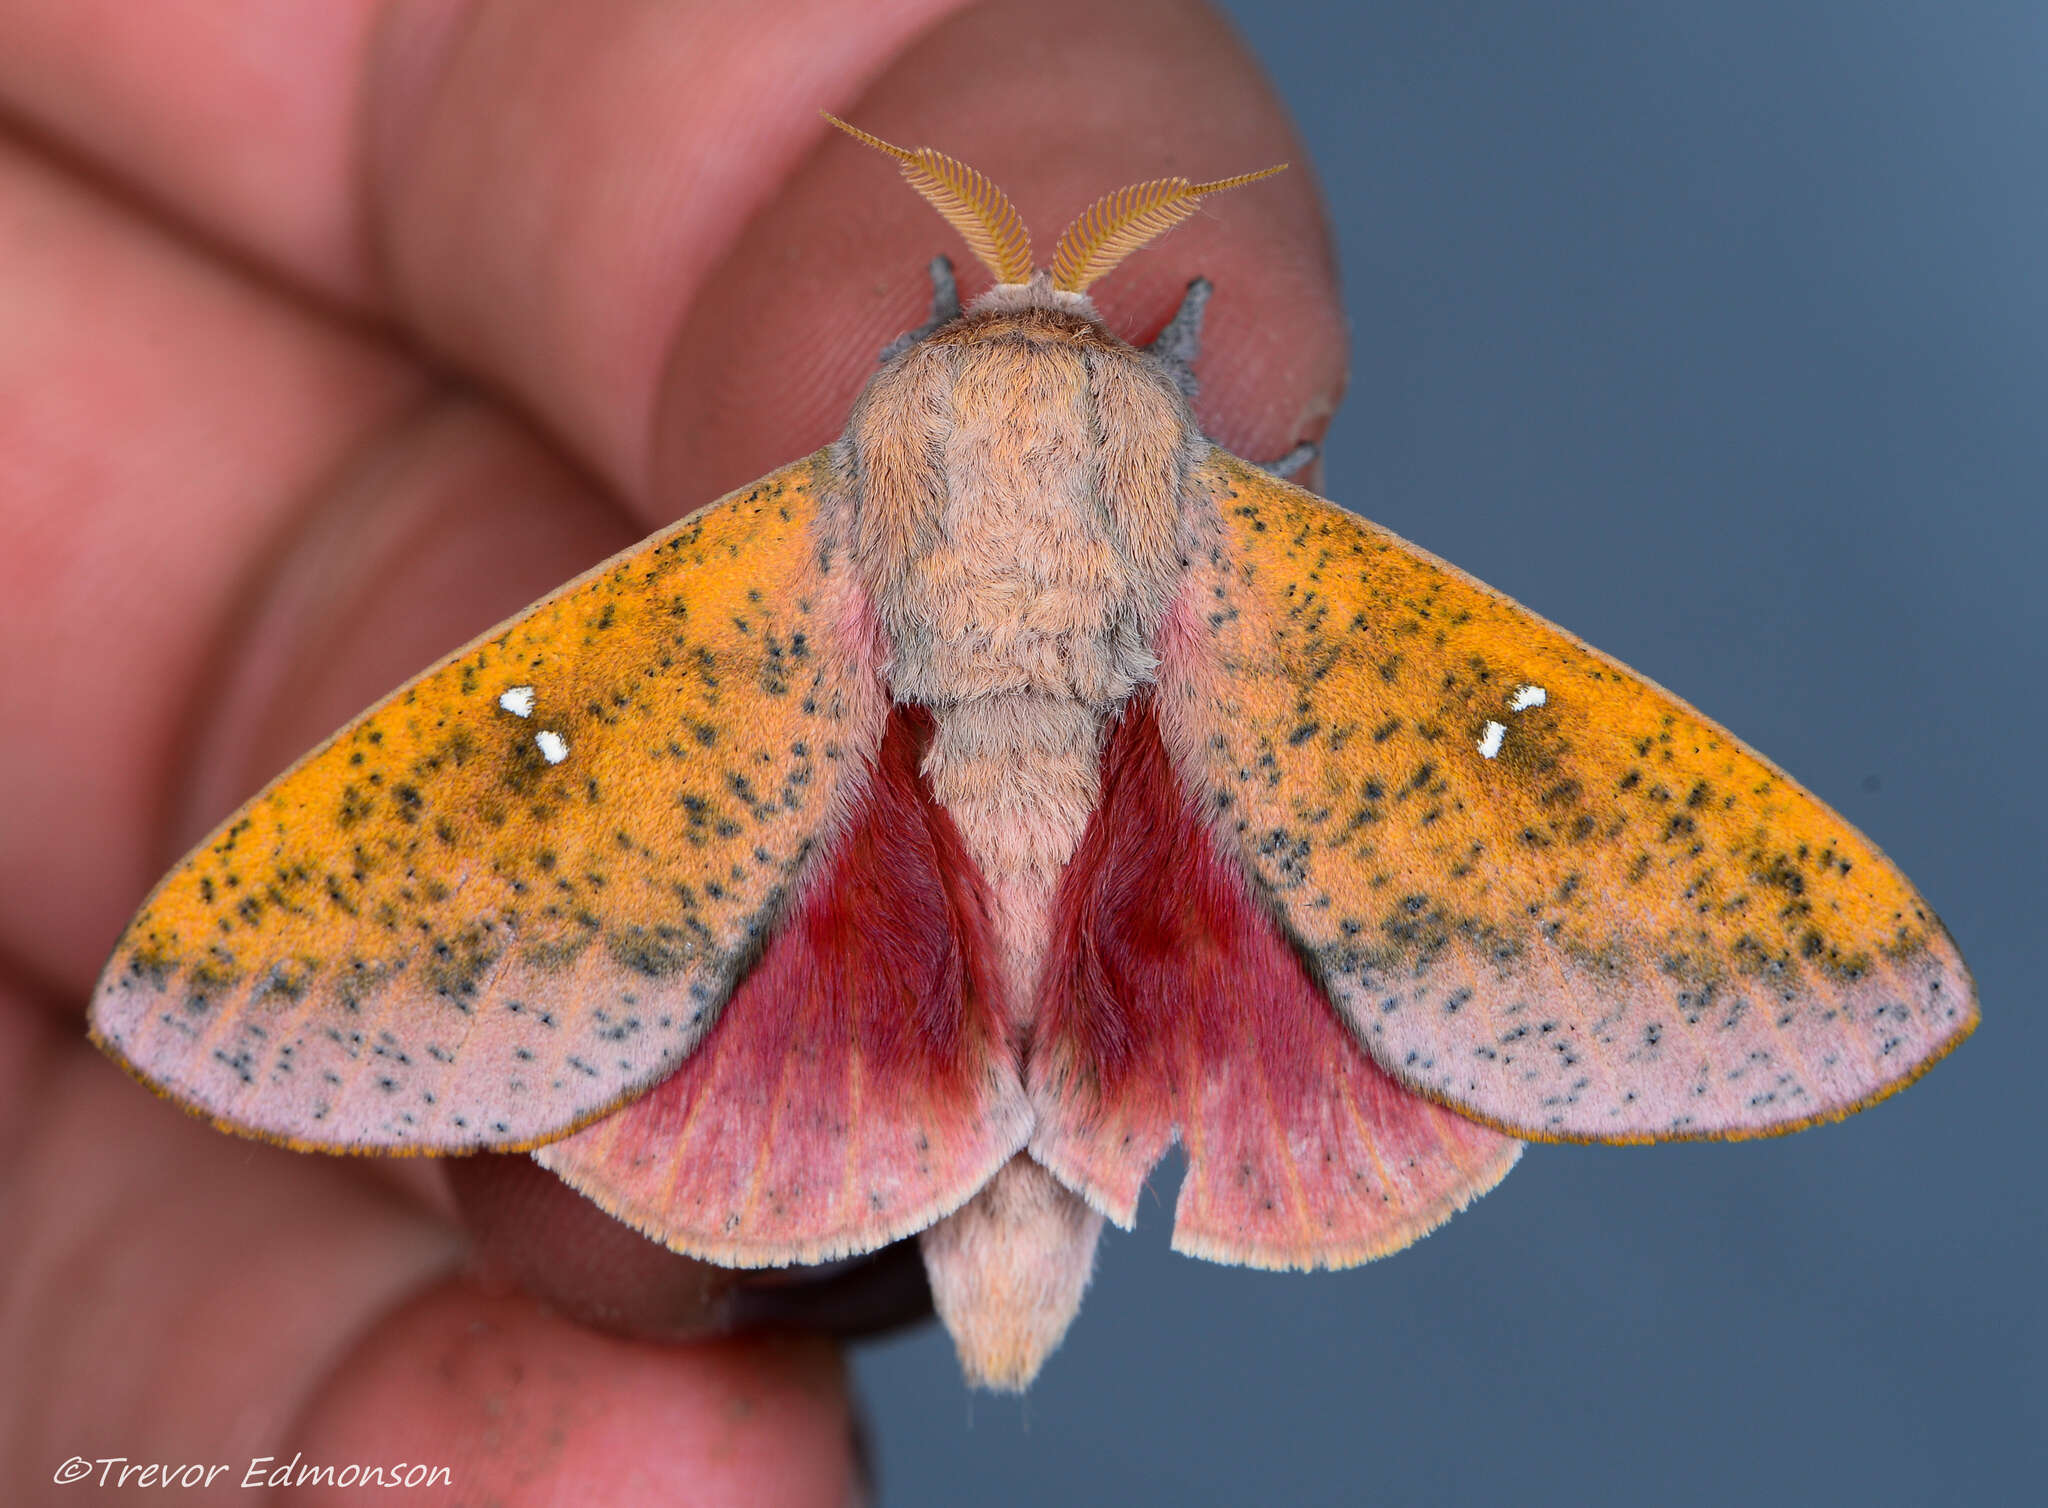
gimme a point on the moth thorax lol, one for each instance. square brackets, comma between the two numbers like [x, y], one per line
[1017, 509]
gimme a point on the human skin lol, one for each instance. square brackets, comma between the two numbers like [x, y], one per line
[329, 335]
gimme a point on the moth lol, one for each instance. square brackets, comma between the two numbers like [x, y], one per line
[918, 841]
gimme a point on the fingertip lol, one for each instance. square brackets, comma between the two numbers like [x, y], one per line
[520, 1404]
[533, 1233]
[1058, 102]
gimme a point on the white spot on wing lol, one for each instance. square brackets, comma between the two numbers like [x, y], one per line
[1526, 697]
[553, 747]
[518, 701]
[1489, 745]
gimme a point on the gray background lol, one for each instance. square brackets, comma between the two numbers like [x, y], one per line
[1719, 333]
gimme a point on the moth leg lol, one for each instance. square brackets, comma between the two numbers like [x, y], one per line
[1178, 345]
[945, 309]
[1293, 461]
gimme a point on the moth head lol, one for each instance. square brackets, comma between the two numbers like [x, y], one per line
[1101, 236]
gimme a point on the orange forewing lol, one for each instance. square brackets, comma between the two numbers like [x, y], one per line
[1541, 889]
[517, 891]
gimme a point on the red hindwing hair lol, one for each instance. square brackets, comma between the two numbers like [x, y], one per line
[853, 1090]
[1172, 1002]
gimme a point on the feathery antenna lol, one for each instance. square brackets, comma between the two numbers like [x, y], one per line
[1117, 224]
[972, 205]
